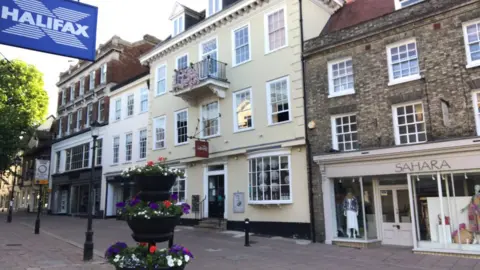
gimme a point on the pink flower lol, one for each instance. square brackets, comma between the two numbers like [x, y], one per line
[150, 163]
[161, 159]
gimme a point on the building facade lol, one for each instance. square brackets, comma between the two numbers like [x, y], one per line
[393, 123]
[126, 143]
[231, 76]
[83, 99]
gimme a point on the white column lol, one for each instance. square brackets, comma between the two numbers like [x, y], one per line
[328, 197]
[412, 213]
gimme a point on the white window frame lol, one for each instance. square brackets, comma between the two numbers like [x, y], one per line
[476, 110]
[103, 74]
[266, 30]
[201, 52]
[99, 152]
[99, 109]
[470, 63]
[157, 79]
[72, 92]
[118, 110]
[82, 86]
[176, 127]
[409, 78]
[127, 145]
[140, 143]
[178, 24]
[154, 135]
[395, 122]
[59, 127]
[234, 45]
[269, 154]
[87, 121]
[92, 80]
[269, 107]
[398, 5]
[117, 148]
[333, 124]
[143, 93]
[331, 87]
[178, 58]
[79, 119]
[235, 118]
[185, 178]
[202, 128]
[64, 96]
[132, 104]
[69, 123]
[215, 8]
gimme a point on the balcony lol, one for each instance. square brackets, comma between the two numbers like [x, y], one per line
[201, 79]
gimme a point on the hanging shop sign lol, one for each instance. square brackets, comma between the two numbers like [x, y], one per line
[59, 27]
[41, 171]
[201, 149]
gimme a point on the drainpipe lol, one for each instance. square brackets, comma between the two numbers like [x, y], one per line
[309, 150]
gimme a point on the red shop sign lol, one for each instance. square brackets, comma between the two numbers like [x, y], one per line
[201, 149]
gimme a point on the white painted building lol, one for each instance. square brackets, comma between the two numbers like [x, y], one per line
[126, 142]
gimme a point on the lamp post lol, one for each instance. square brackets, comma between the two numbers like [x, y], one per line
[88, 245]
[16, 162]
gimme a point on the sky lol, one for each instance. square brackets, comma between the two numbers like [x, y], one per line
[128, 19]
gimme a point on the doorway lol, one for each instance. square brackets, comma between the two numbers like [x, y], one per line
[396, 218]
[216, 191]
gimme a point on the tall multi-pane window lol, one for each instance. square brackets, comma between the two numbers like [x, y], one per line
[214, 6]
[68, 159]
[57, 161]
[403, 61]
[182, 62]
[276, 30]
[69, 123]
[72, 92]
[144, 100]
[476, 106]
[161, 80]
[269, 179]
[159, 125]
[82, 86]
[130, 105]
[118, 109]
[103, 75]
[472, 42]
[178, 25]
[242, 114]
[241, 45]
[344, 132]
[101, 109]
[79, 119]
[409, 123]
[179, 188]
[77, 157]
[210, 125]
[181, 129]
[278, 98]
[128, 147]
[116, 149]
[89, 114]
[142, 144]
[99, 152]
[64, 96]
[340, 77]
[92, 80]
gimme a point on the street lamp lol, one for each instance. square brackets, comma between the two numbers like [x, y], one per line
[88, 245]
[16, 162]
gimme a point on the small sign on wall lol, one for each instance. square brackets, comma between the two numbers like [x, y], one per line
[201, 149]
[239, 202]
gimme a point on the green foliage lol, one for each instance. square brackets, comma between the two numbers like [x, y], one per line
[23, 106]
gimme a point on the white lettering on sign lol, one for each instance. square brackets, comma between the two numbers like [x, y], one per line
[34, 20]
[420, 166]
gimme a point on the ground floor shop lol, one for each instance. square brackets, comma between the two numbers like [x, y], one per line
[424, 196]
[118, 189]
[268, 186]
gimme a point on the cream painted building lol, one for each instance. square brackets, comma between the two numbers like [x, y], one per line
[232, 76]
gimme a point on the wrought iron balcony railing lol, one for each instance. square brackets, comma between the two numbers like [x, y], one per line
[199, 72]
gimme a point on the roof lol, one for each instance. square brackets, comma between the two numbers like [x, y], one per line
[358, 11]
[128, 81]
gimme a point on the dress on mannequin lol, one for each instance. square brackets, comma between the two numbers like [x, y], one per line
[350, 211]
[474, 214]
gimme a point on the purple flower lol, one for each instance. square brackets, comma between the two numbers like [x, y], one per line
[186, 208]
[121, 245]
[120, 205]
[134, 202]
[174, 196]
[153, 206]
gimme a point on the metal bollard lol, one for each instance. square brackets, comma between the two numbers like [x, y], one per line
[170, 241]
[247, 232]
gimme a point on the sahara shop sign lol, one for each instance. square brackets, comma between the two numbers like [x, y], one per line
[422, 166]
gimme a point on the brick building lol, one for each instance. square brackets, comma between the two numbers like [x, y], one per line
[393, 119]
[83, 98]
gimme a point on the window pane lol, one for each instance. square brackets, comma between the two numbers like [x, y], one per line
[243, 110]
[346, 133]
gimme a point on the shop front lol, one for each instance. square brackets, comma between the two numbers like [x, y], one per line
[422, 196]
[119, 189]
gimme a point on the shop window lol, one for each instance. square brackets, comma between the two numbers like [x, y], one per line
[269, 179]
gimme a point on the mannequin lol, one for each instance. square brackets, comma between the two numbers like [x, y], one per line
[350, 211]
[474, 214]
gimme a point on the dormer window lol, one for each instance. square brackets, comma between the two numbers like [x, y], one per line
[399, 4]
[214, 6]
[179, 24]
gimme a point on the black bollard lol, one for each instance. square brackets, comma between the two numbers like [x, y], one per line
[247, 232]
[170, 242]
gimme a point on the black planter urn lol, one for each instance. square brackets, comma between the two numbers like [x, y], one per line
[153, 188]
[155, 229]
[163, 268]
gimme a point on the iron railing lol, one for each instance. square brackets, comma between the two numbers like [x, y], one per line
[208, 68]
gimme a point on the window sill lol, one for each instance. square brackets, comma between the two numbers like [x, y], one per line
[159, 95]
[279, 123]
[126, 163]
[402, 144]
[182, 144]
[405, 79]
[277, 49]
[162, 148]
[473, 64]
[114, 165]
[270, 202]
[140, 113]
[244, 130]
[142, 160]
[343, 93]
[210, 137]
[242, 63]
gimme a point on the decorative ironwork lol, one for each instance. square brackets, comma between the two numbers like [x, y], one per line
[189, 77]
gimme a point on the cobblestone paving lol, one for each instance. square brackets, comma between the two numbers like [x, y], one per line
[59, 246]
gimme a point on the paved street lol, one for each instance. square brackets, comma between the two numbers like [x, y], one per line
[59, 246]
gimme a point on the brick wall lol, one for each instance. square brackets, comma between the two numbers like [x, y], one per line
[128, 65]
[442, 61]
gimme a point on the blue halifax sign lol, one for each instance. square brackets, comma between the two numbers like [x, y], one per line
[54, 26]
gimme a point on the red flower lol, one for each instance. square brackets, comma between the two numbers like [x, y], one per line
[150, 163]
[152, 249]
[167, 204]
[142, 244]
[161, 159]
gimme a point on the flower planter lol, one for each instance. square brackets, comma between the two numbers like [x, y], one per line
[153, 187]
[155, 229]
[168, 268]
